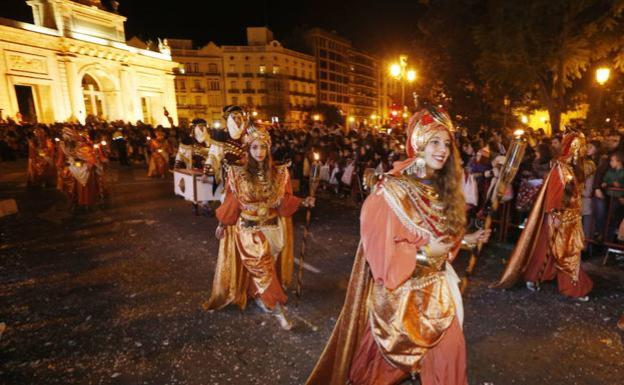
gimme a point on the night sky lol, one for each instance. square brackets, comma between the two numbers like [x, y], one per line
[380, 27]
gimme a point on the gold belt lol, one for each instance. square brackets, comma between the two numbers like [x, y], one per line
[250, 223]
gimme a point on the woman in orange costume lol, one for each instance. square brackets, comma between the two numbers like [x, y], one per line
[81, 169]
[159, 160]
[403, 312]
[551, 243]
[41, 167]
[256, 248]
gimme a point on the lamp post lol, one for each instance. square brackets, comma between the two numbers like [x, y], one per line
[602, 76]
[400, 72]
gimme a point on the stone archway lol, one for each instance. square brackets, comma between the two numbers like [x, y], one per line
[100, 94]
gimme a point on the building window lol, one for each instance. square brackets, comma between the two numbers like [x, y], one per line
[247, 68]
[212, 68]
[233, 84]
[249, 101]
[262, 69]
[195, 67]
[197, 85]
[322, 53]
[248, 85]
[231, 68]
[263, 100]
[235, 100]
[182, 100]
[187, 67]
[198, 100]
[214, 85]
[182, 85]
[276, 69]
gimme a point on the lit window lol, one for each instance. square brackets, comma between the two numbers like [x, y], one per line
[262, 69]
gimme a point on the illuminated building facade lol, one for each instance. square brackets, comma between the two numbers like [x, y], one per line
[73, 62]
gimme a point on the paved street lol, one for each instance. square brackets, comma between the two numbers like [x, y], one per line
[114, 295]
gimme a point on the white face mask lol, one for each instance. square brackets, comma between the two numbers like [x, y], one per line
[200, 133]
[234, 130]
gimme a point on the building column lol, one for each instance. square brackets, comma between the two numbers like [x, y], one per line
[74, 88]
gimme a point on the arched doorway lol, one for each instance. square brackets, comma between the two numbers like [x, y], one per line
[93, 97]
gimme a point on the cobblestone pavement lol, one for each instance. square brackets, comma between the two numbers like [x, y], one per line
[113, 296]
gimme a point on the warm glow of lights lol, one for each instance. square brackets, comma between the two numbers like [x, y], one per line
[411, 75]
[149, 138]
[96, 146]
[607, 120]
[351, 119]
[602, 75]
[316, 117]
[389, 131]
[373, 116]
[518, 133]
[57, 140]
[405, 115]
[217, 124]
[394, 113]
[103, 143]
[259, 121]
[317, 156]
[395, 70]
[254, 113]
[543, 119]
[524, 119]
[402, 147]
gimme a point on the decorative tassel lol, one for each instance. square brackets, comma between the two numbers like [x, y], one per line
[421, 169]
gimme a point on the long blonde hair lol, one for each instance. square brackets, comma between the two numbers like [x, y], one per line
[447, 182]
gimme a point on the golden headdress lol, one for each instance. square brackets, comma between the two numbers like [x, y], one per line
[421, 128]
[255, 133]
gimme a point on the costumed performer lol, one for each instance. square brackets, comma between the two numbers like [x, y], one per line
[255, 231]
[550, 245]
[403, 311]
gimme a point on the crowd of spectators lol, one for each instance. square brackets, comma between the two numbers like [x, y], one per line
[344, 155]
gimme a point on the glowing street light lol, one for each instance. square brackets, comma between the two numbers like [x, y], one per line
[395, 70]
[602, 75]
[400, 72]
[351, 119]
[524, 119]
[316, 117]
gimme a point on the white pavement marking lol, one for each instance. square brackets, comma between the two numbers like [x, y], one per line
[308, 267]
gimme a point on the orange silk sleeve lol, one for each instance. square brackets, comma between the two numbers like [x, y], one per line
[389, 247]
[229, 210]
[554, 190]
[290, 203]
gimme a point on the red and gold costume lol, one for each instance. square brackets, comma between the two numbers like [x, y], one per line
[551, 243]
[81, 169]
[401, 316]
[256, 255]
[41, 167]
[159, 159]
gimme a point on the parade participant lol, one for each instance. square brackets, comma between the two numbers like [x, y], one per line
[226, 143]
[551, 243]
[159, 159]
[193, 148]
[255, 231]
[41, 167]
[403, 312]
[81, 169]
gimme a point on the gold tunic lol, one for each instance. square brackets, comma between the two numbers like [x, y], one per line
[411, 319]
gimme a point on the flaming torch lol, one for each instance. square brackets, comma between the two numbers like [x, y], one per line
[314, 182]
[506, 176]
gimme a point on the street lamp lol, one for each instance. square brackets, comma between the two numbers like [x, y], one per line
[602, 75]
[400, 72]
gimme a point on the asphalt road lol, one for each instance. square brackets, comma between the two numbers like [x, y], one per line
[114, 295]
